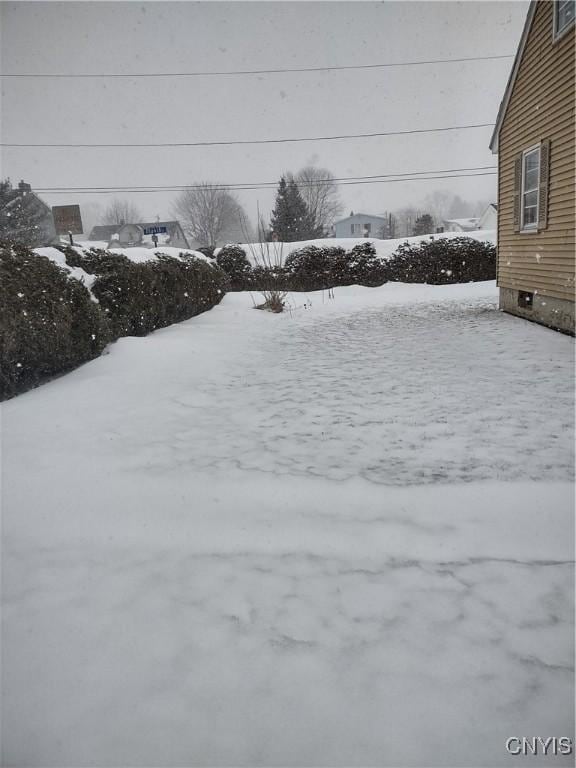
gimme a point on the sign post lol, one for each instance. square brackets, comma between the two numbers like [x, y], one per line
[67, 220]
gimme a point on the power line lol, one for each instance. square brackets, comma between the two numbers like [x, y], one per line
[135, 75]
[258, 184]
[256, 141]
[131, 190]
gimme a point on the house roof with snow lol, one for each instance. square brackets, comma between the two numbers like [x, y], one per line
[23, 190]
[105, 231]
[464, 223]
[361, 216]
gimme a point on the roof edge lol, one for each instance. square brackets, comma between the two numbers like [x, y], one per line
[367, 215]
[512, 77]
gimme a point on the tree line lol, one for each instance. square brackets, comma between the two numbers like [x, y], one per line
[306, 207]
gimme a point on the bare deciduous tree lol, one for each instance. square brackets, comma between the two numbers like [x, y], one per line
[211, 215]
[320, 192]
[439, 202]
[120, 212]
[446, 205]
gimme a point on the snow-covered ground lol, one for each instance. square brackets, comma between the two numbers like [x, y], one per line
[275, 253]
[340, 536]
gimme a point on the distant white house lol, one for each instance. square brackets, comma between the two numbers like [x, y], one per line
[489, 218]
[141, 234]
[362, 225]
[461, 225]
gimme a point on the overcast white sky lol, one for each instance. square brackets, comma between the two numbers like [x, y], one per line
[129, 37]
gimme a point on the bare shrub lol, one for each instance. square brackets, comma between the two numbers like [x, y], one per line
[268, 261]
[273, 301]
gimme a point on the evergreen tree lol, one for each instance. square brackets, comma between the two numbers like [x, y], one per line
[280, 218]
[291, 220]
[424, 225]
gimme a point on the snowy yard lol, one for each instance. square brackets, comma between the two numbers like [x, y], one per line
[341, 536]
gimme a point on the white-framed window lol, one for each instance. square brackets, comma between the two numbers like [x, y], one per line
[564, 13]
[530, 186]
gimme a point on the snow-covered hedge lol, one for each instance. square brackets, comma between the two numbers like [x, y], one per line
[276, 253]
[321, 267]
[363, 267]
[62, 305]
[233, 260]
[314, 267]
[140, 296]
[454, 260]
[49, 323]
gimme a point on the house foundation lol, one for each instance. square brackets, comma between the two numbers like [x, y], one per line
[557, 314]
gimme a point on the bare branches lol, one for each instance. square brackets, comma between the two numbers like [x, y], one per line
[267, 259]
[211, 215]
[320, 192]
[121, 212]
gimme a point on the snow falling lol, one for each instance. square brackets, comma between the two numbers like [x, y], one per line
[336, 536]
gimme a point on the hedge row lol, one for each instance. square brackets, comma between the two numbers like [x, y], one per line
[444, 261]
[138, 298]
[50, 323]
[439, 261]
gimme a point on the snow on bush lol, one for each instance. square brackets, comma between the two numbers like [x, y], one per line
[315, 266]
[279, 252]
[322, 264]
[233, 260]
[139, 298]
[454, 260]
[364, 267]
[62, 305]
[49, 323]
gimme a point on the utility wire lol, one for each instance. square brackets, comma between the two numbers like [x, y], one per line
[135, 75]
[258, 184]
[100, 191]
[257, 141]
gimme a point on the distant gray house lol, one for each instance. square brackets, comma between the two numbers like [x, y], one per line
[461, 225]
[362, 225]
[141, 234]
[489, 219]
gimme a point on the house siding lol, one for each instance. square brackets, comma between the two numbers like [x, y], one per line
[379, 226]
[541, 106]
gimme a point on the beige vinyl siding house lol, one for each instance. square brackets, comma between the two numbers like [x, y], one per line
[535, 141]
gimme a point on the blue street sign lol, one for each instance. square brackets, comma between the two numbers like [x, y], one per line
[155, 230]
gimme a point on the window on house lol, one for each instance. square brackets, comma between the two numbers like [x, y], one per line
[530, 185]
[351, 229]
[563, 15]
[367, 228]
[525, 299]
